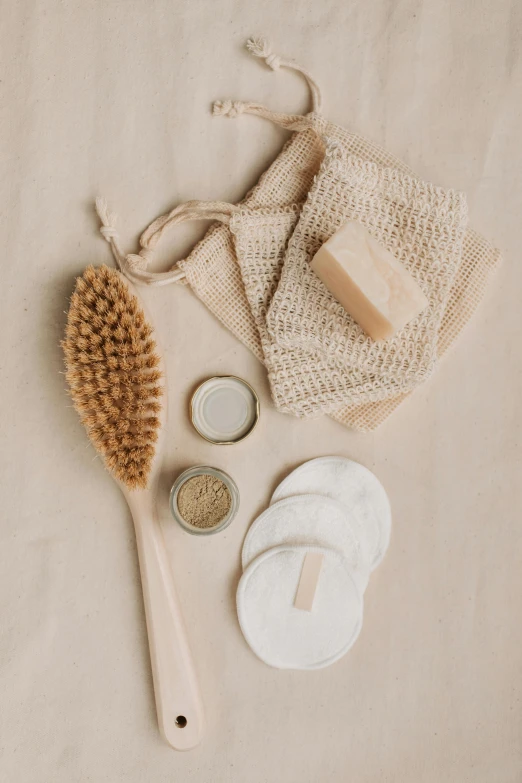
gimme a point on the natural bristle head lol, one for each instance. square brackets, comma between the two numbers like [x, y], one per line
[112, 372]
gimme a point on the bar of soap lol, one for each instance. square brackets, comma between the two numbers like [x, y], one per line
[370, 283]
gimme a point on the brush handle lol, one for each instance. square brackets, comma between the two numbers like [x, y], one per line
[178, 702]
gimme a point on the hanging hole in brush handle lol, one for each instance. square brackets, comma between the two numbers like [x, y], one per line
[176, 690]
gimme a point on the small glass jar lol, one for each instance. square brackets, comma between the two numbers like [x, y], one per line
[203, 470]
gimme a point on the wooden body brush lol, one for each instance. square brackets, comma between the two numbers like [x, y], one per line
[114, 372]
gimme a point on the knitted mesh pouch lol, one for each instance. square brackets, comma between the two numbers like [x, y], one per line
[302, 382]
[422, 225]
[212, 271]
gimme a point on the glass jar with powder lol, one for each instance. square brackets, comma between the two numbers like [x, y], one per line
[204, 500]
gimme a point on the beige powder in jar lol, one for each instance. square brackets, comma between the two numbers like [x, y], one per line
[204, 501]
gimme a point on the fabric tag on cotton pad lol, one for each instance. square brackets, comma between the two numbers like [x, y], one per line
[288, 638]
[310, 573]
[353, 485]
[311, 520]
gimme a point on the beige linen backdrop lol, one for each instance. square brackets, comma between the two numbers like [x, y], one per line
[114, 98]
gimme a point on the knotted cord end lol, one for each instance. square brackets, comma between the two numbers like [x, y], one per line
[133, 265]
[108, 219]
[108, 233]
[137, 263]
[259, 47]
[228, 108]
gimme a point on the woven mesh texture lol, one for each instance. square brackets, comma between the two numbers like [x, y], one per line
[421, 225]
[302, 383]
[213, 272]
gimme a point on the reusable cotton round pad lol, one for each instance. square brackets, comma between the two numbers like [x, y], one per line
[311, 520]
[356, 488]
[224, 410]
[289, 638]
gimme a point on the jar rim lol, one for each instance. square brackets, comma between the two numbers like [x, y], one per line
[202, 470]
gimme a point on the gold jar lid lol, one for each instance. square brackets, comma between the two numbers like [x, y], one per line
[224, 409]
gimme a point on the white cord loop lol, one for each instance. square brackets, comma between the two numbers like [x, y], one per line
[134, 265]
[259, 47]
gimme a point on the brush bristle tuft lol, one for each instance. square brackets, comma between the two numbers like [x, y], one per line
[111, 368]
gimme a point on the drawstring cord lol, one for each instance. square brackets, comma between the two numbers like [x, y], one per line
[133, 265]
[233, 109]
[260, 47]
[190, 210]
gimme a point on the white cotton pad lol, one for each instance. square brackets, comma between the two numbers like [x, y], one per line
[356, 488]
[311, 520]
[289, 638]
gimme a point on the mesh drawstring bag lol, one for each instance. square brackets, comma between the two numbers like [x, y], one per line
[214, 274]
[302, 383]
[422, 225]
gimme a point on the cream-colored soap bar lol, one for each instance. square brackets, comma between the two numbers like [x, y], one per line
[369, 282]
